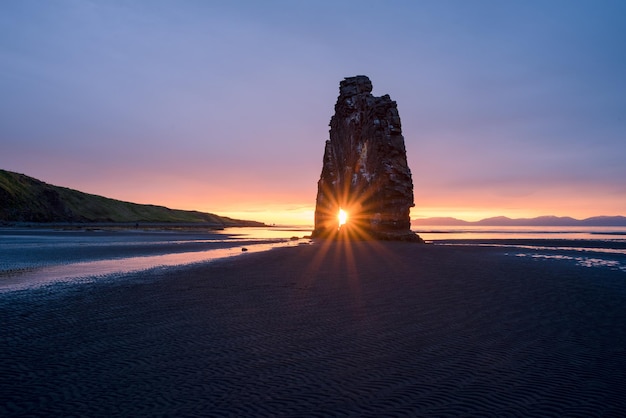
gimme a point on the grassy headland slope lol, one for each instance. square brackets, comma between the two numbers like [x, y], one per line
[25, 199]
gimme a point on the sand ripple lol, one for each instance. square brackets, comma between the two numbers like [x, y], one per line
[392, 330]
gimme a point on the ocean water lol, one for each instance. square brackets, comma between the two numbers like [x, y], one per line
[593, 247]
[37, 256]
[32, 257]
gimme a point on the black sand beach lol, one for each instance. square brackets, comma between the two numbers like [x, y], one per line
[331, 329]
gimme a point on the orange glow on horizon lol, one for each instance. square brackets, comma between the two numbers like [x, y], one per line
[304, 216]
[296, 210]
[296, 207]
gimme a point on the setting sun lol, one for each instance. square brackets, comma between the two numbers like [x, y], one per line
[343, 217]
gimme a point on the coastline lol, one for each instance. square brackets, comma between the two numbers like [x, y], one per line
[361, 328]
[38, 256]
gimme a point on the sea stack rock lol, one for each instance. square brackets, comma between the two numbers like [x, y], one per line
[365, 171]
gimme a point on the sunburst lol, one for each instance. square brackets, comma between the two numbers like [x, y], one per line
[343, 217]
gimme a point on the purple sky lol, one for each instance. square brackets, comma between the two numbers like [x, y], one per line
[508, 108]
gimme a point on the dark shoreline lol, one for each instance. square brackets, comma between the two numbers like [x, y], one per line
[334, 328]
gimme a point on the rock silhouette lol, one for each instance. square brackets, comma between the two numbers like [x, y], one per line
[365, 170]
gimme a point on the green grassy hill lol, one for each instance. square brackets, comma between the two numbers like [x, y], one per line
[25, 199]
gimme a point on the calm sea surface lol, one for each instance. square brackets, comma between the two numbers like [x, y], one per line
[445, 233]
[36, 256]
[593, 247]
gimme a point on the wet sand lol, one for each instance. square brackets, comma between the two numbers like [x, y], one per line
[335, 329]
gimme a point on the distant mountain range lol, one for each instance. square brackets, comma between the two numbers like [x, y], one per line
[25, 199]
[539, 221]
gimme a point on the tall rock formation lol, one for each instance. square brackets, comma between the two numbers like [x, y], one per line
[365, 171]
